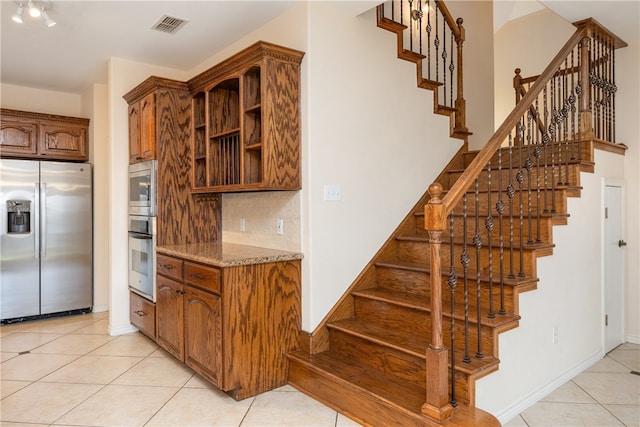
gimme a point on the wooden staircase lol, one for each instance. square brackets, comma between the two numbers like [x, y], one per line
[367, 360]
[375, 357]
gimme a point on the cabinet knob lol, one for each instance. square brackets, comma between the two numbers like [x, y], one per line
[179, 292]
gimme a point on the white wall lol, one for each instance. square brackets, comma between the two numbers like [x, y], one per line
[40, 101]
[628, 132]
[123, 76]
[570, 290]
[95, 105]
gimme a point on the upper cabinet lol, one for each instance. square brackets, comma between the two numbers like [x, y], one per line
[41, 136]
[246, 122]
[145, 116]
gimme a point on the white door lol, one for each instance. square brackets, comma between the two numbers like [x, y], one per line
[614, 267]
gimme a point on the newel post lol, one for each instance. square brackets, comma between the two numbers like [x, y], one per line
[437, 405]
[584, 97]
[460, 103]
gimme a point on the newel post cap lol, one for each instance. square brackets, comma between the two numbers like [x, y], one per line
[434, 210]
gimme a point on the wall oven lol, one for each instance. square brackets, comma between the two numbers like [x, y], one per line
[142, 188]
[142, 255]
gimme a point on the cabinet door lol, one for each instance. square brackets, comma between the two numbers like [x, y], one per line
[170, 316]
[203, 333]
[134, 132]
[63, 141]
[18, 138]
[147, 127]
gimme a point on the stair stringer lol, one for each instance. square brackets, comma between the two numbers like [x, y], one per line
[421, 82]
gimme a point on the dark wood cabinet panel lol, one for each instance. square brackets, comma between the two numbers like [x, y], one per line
[41, 136]
[203, 333]
[169, 315]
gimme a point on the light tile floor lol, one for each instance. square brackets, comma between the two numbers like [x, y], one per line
[69, 372]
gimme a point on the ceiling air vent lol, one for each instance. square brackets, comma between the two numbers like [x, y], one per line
[169, 24]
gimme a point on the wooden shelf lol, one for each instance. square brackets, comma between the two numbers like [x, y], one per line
[251, 130]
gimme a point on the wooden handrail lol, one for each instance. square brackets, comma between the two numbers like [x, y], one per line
[454, 195]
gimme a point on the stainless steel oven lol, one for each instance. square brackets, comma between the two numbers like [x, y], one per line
[142, 188]
[142, 255]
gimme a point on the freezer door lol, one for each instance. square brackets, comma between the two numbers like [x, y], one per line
[66, 281]
[19, 263]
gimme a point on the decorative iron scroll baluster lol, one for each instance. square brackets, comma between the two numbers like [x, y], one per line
[428, 39]
[511, 191]
[452, 281]
[520, 181]
[528, 165]
[500, 206]
[465, 260]
[566, 108]
[545, 143]
[477, 243]
[451, 69]
[614, 89]
[537, 152]
[489, 224]
[411, 22]
[436, 41]
[420, 15]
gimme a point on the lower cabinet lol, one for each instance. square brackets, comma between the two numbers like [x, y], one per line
[142, 314]
[232, 325]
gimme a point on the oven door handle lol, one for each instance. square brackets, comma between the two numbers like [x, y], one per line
[136, 235]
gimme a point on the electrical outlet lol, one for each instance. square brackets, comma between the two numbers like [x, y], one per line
[555, 335]
[243, 225]
[279, 226]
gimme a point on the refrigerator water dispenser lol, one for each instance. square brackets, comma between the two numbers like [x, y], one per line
[19, 220]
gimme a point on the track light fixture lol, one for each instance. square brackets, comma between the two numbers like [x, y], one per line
[36, 9]
[17, 17]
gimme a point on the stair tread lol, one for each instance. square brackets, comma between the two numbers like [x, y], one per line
[404, 393]
[494, 244]
[408, 343]
[412, 266]
[423, 303]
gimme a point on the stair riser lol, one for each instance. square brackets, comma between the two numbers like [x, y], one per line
[384, 359]
[395, 317]
[419, 252]
[539, 176]
[491, 199]
[418, 283]
[550, 154]
[349, 399]
[546, 229]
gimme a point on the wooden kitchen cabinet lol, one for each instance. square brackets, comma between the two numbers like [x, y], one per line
[39, 136]
[235, 323]
[147, 102]
[246, 122]
[170, 315]
[142, 314]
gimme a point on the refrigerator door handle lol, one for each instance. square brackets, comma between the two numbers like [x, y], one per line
[36, 220]
[43, 219]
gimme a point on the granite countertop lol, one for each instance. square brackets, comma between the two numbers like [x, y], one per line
[221, 254]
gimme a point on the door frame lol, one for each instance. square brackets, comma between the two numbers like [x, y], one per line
[612, 182]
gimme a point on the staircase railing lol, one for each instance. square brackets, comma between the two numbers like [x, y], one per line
[431, 33]
[489, 222]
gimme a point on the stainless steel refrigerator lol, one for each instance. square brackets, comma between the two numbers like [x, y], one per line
[46, 221]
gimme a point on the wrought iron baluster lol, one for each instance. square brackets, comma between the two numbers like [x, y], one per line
[465, 260]
[537, 152]
[520, 181]
[436, 40]
[528, 165]
[428, 29]
[452, 281]
[511, 191]
[411, 26]
[500, 206]
[489, 225]
[545, 142]
[451, 69]
[477, 243]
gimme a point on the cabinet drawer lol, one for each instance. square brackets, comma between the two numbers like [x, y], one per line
[169, 267]
[142, 314]
[201, 276]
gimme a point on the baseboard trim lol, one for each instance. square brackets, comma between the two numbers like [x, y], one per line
[633, 339]
[127, 329]
[532, 398]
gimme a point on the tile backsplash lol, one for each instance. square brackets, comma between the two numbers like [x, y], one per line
[261, 211]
